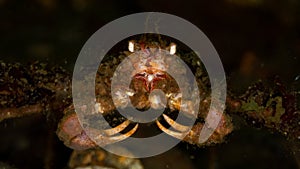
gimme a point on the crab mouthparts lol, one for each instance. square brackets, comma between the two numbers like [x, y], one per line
[149, 79]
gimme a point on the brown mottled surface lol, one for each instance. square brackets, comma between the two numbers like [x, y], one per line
[255, 40]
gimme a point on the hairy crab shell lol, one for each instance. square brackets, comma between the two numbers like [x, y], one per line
[150, 87]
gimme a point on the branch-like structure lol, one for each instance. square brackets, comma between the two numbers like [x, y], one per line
[8, 113]
[40, 89]
[269, 105]
[33, 89]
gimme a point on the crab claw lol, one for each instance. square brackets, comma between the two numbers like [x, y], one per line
[75, 137]
[183, 130]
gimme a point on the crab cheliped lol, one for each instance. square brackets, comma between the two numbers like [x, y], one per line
[139, 79]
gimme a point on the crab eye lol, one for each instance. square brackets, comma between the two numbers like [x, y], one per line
[172, 49]
[131, 46]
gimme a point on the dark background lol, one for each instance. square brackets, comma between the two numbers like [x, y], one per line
[255, 39]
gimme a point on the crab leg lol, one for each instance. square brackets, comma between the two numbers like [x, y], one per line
[175, 134]
[176, 125]
[117, 129]
[122, 136]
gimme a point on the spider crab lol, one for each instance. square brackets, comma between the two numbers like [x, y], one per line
[150, 87]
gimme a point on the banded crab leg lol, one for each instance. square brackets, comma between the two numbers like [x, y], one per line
[117, 129]
[191, 135]
[175, 125]
[183, 130]
[113, 131]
